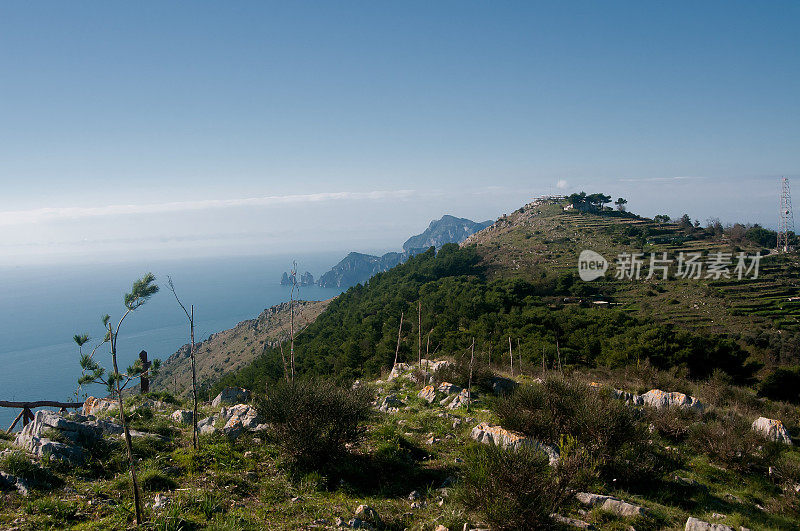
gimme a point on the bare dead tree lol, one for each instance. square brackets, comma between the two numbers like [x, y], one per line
[558, 352]
[511, 355]
[283, 358]
[190, 317]
[428, 350]
[469, 387]
[291, 311]
[399, 332]
[419, 334]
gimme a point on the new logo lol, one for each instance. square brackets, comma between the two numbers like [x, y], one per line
[591, 265]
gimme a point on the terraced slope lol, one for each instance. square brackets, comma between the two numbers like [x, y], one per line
[541, 241]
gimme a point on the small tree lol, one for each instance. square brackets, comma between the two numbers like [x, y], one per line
[190, 317]
[620, 204]
[115, 381]
[80, 340]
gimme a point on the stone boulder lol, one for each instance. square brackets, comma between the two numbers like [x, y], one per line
[400, 369]
[390, 404]
[448, 388]
[239, 418]
[462, 399]
[693, 524]
[772, 429]
[487, 434]
[659, 399]
[34, 437]
[206, 426]
[183, 416]
[428, 394]
[230, 396]
[97, 406]
[610, 504]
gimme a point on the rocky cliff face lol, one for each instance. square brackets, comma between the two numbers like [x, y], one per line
[357, 268]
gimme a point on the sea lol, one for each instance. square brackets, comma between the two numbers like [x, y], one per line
[43, 306]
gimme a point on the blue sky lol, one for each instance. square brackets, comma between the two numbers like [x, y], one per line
[176, 129]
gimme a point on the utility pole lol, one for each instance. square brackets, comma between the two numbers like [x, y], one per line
[786, 222]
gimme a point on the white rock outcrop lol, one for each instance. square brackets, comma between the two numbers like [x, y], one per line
[772, 429]
[693, 524]
[97, 406]
[658, 399]
[230, 396]
[486, 433]
[610, 504]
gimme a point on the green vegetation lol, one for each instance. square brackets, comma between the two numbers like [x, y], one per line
[313, 420]
[356, 337]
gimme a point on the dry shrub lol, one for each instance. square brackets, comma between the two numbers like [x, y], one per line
[519, 489]
[610, 431]
[731, 442]
[313, 420]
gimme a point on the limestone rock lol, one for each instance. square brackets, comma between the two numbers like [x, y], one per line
[239, 418]
[659, 399]
[448, 388]
[772, 429]
[428, 393]
[693, 524]
[231, 395]
[488, 434]
[9, 482]
[183, 416]
[206, 425]
[390, 404]
[460, 400]
[96, 406]
[610, 504]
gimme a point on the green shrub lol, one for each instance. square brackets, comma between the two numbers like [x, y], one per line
[458, 373]
[731, 442]
[519, 489]
[313, 420]
[607, 428]
[781, 384]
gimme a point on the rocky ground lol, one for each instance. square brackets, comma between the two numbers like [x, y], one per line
[69, 471]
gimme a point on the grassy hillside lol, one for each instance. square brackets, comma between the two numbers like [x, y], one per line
[232, 349]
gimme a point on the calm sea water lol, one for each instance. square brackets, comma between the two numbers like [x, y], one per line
[41, 307]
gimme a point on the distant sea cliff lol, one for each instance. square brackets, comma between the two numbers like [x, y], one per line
[357, 268]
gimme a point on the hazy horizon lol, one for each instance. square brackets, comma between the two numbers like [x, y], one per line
[168, 130]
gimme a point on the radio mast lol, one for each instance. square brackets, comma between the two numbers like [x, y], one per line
[786, 223]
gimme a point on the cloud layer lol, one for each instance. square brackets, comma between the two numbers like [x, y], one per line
[40, 215]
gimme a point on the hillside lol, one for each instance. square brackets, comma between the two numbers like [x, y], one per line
[357, 268]
[232, 349]
[542, 241]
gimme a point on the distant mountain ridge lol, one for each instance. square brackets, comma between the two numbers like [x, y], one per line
[357, 268]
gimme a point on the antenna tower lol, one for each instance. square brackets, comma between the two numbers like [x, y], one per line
[786, 224]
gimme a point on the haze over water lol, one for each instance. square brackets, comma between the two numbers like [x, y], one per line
[42, 307]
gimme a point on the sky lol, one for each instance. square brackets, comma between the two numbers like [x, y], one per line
[182, 129]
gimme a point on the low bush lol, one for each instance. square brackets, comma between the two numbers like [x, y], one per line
[519, 489]
[673, 423]
[608, 429]
[731, 442]
[313, 420]
[458, 373]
